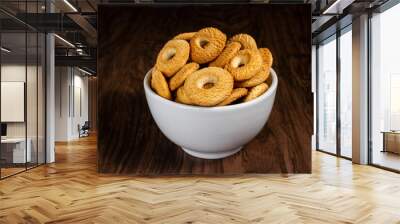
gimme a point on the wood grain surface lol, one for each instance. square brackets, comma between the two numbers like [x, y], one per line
[130, 38]
[70, 191]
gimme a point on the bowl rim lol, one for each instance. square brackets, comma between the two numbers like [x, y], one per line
[269, 92]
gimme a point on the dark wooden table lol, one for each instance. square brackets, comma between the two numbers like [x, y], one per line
[129, 142]
[391, 141]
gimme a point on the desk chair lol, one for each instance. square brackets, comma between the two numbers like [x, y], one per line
[84, 130]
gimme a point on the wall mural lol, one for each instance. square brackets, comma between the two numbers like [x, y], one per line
[204, 89]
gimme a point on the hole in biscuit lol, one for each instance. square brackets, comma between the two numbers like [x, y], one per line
[207, 82]
[240, 61]
[203, 43]
[208, 85]
[169, 54]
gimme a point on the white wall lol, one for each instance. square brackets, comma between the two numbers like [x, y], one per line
[16, 73]
[33, 127]
[71, 102]
[80, 110]
[314, 91]
[62, 81]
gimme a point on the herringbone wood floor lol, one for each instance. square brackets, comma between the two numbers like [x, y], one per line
[71, 191]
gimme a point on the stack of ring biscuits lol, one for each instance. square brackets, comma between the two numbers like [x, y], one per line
[204, 68]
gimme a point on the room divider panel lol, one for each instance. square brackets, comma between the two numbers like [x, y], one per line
[22, 78]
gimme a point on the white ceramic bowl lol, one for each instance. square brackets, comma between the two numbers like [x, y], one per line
[211, 132]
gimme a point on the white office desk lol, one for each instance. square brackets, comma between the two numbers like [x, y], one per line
[18, 148]
[12, 140]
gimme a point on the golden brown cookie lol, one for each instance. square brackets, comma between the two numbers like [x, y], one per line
[159, 84]
[219, 86]
[172, 57]
[206, 45]
[256, 91]
[184, 36]
[235, 95]
[229, 52]
[181, 96]
[266, 55]
[245, 64]
[179, 78]
[259, 78]
[245, 40]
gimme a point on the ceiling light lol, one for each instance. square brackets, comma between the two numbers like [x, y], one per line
[65, 41]
[5, 50]
[327, 10]
[70, 5]
[84, 71]
[337, 7]
[79, 51]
